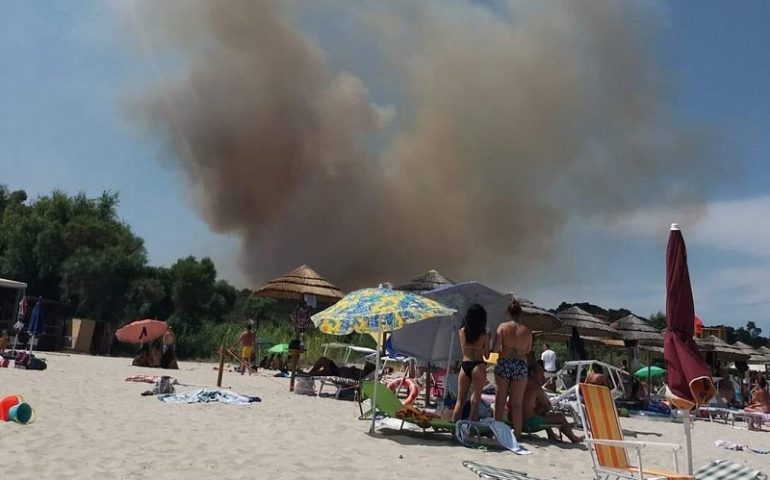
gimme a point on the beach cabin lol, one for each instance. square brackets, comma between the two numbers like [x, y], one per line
[11, 293]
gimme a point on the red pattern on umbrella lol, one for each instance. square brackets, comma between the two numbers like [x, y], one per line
[689, 382]
[142, 331]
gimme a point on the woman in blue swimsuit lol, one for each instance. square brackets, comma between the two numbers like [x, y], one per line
[513, 343]
[474, 342]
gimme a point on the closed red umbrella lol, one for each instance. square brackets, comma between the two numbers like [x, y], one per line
[688, 383]
[142, 331]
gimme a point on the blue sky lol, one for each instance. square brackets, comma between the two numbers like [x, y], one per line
[67, 70]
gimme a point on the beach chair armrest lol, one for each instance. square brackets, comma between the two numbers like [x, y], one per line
[633, 444]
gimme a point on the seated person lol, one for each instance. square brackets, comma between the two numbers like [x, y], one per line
[264, 362]
[325, 367]
[277, 363]
[142, 359]
[536, 407]
[726, 393]
[156, 355]
[596, 376]
[760, 401]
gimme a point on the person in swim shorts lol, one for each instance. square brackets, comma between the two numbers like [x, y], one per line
[536, 408]
[247, 340]
[513, 343]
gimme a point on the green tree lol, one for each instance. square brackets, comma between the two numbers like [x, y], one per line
[196, 294]
[658, 320]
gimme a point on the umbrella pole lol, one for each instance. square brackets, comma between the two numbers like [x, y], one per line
[376, 381]
[649, 374]
[448, 364]
[688, 440]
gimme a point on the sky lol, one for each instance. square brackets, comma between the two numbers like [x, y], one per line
[68, 70]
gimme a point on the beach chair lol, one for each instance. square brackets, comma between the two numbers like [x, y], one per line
[608, 450]
[388, 403]
[488, 472]
[726, 470]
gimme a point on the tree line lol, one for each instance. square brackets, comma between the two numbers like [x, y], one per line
[76, 250]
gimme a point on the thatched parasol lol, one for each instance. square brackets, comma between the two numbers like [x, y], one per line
[426, 282]
[535, 318]
[756, 355]
[636, 329]
[721, 348]
[298, 282]
[587, 325]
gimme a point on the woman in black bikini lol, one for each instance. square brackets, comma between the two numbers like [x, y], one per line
[474, 341]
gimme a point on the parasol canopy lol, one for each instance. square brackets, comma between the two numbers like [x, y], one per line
[377, 310]
[300, 282]
[585, 323]
[634, 329]
[721, 348]
[756, 355]
[650, 372]
[436, 339]
[689, 381]
[279, 348]
[142, 331]
[426, 282]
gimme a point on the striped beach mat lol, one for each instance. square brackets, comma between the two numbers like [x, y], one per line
[724, 470]
[488, 472]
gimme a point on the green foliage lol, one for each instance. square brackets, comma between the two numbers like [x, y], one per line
[658, 320]
[73, 249]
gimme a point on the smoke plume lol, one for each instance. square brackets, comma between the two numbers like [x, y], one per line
[500, 123]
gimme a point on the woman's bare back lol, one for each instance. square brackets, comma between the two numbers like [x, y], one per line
[514, 340]
[475, 351]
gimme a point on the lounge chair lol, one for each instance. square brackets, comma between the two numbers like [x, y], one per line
[608, 450]
[388, 403]
[725, 470]
[488, 472]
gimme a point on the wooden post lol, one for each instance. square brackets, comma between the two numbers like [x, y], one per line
[295, 357]
[221, 365]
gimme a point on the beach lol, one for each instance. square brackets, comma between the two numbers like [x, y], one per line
[91, 423]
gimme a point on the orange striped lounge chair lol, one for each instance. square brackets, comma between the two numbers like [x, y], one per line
[604, 437]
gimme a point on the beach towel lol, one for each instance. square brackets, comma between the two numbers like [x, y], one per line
[724, 470]
[738, 447]
[502, 433]
[495, 473]
[207, 395]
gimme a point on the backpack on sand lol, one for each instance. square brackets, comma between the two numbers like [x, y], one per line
[163, 386]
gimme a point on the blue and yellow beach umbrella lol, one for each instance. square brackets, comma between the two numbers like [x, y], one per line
[377, 310]
[374, 310]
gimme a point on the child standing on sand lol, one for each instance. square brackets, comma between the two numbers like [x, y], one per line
[246, 340]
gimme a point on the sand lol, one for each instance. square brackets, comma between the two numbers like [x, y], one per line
[93, 424]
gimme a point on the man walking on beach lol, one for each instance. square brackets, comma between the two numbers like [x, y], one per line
[246, 340]
[549, 360]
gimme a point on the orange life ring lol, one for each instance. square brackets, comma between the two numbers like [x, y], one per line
[414, 390]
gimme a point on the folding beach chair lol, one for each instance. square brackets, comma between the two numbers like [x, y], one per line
[388, 403]
[606, 446]
[488, 472]
[724, 470]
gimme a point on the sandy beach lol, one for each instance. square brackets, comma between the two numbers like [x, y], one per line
[91, 423]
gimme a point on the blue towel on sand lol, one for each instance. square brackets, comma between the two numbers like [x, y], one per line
[502, 432]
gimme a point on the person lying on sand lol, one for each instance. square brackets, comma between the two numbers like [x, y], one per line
[760, 402]
[536, 408]
[325, 367]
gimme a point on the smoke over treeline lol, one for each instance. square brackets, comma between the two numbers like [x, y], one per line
[501, 123]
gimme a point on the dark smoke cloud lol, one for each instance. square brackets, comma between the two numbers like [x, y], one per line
[511, 121]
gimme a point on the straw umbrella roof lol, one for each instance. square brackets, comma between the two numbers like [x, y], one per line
[300, 281]
[535, 318]
[633, 328]
[764, 350]
[426, 282]
[587, 325]
[720, 348]
[756, 355]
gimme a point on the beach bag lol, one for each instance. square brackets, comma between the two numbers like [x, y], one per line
[304, 386]
[21, 360]
[163, 386]
[36, 364]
